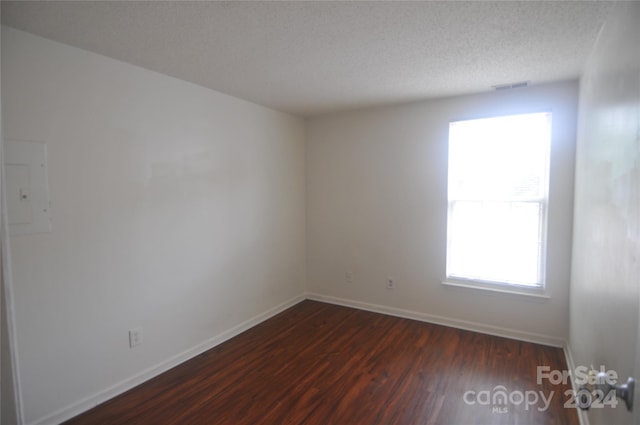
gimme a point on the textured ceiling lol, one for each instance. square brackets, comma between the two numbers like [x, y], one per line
[309, 58]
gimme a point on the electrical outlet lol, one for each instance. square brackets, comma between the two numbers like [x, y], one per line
[391, 282]
[135, 337]
[348, 276]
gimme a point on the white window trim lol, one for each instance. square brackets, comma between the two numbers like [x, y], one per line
[537, 291]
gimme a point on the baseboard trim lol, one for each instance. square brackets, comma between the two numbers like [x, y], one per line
[582, 414]
[441, 320]
[87, 403]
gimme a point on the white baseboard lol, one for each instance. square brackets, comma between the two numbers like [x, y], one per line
[89, 402]
[441, 320]
[582, 414]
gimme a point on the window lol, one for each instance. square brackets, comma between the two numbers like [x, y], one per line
[498, 192]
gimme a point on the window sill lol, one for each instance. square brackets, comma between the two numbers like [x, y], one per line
[538, 293]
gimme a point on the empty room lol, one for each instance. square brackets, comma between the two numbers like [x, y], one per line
[320, 212]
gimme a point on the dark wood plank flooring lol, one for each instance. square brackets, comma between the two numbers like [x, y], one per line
[321, 364]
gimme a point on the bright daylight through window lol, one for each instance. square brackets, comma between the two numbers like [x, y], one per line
[498, 186]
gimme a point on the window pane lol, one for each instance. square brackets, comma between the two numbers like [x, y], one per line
[501, 158]
[498, 184]
[495, 241]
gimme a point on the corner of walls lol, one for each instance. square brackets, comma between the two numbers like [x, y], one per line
[175, 209]
[93, 400]
[442, 320]
[582, 414]
[376, 200]
[10, 395]
[12, 410]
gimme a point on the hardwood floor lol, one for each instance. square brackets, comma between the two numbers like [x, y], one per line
[321, 364]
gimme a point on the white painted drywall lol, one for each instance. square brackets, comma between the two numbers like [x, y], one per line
[8, 414]
[377, 207]
[9, 409]
[175, 208]
[605, 282]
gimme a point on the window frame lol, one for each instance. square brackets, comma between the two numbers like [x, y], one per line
[512, 287]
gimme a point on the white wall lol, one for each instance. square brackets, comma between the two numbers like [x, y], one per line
[377, 206]
[605, 281]
[175, 208]
[8, 405]
[8, 414]
[8, 410]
